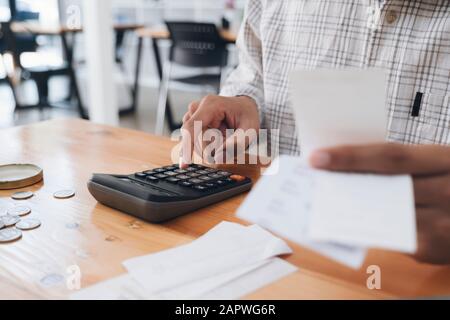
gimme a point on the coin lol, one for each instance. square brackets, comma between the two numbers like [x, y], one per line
[64, 194]
[28, 224]
[22, 195]
[9, 235]
[19, 211]
[9, 221]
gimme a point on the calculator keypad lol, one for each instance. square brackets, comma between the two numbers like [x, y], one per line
[195, 176]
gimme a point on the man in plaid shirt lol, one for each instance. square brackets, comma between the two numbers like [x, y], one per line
[408, 38]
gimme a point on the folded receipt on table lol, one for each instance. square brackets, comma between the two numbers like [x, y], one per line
[228, 262]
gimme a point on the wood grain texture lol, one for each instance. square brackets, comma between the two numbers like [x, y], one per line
[97, 239]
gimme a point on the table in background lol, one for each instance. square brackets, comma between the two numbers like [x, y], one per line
[97, 238]
[68, 48]
[156, 34]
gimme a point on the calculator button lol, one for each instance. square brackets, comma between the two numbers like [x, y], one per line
[222, 182]
[237, 177]
[160, 176]
[211, 185]
[159, 170]
[140, 175]
[152, 179]
[201, 188]
[202, 172]
[205, 178]
[193, 174]
[170, 173]
[180, 171]
[173, 180]
[149, 172]
[191, 169]
[172, 167]
[215, 176]
[224, 173]
[196, 181]
[211, 170]
[183, 177]
[186, 184]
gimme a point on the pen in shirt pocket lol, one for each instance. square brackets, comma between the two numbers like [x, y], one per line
[417, 104]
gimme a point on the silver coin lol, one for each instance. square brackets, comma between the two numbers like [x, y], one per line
[9, 235]
[9, 221]
[19, 211]
[22, 195]
[64, 194]
[28, 224]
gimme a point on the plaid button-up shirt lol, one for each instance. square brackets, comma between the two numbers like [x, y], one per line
[408, 38]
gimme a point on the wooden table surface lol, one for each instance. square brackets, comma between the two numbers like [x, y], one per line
[38, 28]
[79, 231]
[162, 33]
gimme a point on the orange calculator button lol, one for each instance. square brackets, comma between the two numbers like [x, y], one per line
[237, 178]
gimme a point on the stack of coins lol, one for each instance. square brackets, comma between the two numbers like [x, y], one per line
[12, 223]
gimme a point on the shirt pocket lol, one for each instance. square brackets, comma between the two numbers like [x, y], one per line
[433, 122]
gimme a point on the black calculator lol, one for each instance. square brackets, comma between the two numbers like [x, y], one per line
[164, 193]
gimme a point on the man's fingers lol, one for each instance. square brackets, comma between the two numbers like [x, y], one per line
[384, 159]
[433, 191]
[205, 115]
[433, 227]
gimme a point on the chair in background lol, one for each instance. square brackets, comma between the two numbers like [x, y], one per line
[5, 78]
[195, 45]
[40, 72]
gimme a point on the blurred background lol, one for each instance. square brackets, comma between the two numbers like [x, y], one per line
[132, 63]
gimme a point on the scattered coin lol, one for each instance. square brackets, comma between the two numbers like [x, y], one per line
[28, 224]
[64, 194]
[9, 235]
[72, 225]
[19, 211]
[51, 279]
[22, 195]
[9, 221]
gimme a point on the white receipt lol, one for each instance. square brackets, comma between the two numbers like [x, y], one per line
[229, 261]
[222, 249]
[365, 210]
[334, 107]
[335, 214]
[230, 286]
[282, 202]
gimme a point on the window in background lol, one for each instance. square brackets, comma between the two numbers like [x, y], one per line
[46, 11]
[5, 13]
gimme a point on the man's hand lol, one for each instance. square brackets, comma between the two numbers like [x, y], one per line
[219, 113]
[430, 168]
